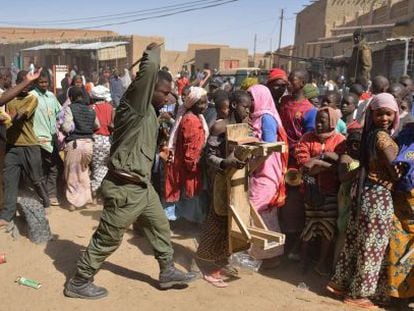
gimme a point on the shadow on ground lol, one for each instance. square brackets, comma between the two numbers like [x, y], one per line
[65, 255]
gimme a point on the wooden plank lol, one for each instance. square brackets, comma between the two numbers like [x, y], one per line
[257, 220]
[264, 243]
[267, 234]
[241, 213]
[239, 221]
[235, 132]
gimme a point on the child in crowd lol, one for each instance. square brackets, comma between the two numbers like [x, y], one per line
[347, 173]
[332, 99]
[222, 104]
[349, 106]
[311, 93]
[367, 235]
[317, 154]
[213, 250]
[400, 94]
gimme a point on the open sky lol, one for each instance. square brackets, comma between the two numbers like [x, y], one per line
[235, 23]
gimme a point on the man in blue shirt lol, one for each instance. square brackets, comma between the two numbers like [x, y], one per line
[116, 88]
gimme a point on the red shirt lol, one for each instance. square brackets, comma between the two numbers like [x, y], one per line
[311, 147]
[104, 115]
[181, 84]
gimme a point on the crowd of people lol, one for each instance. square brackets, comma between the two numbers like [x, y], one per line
[154, 149]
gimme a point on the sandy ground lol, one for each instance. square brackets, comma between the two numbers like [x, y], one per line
[131, 274]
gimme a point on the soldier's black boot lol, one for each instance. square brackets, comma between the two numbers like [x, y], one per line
[79, 287]
[170, 275]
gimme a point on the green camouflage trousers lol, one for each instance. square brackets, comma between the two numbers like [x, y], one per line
[124, 203]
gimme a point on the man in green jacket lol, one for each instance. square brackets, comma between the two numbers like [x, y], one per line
[127, 190]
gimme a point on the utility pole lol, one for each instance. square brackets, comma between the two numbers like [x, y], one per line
[280, 36]
[254, 50]
[281, 29]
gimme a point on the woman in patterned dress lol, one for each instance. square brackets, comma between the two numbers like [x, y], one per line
[358, 268]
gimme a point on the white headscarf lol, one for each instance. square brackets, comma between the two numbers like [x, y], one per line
[101, 92]
[195, 95]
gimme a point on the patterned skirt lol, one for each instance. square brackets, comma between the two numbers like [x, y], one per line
[214, 241]
[359, 265]
[321, 220]
[400, 274]
[101, 150]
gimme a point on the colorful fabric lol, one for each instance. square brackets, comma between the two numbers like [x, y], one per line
[298, 118]
[214, 244]
[341, 127]
[185, 170]
[405, 157]
[195, 95]
[267, 183]
[277, 73]
[367, 235]
[376, 172]
[385, 100]
[249, 82]
[78, 156]
[44, 124]
[269, 129]
[400, 275]
[103, 112]
[345, 199]
[320, 221]
[310, 146]
[333, 122]
[100, 157]
[181, 84]
[310, 91]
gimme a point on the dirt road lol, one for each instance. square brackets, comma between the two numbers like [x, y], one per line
[131, 274]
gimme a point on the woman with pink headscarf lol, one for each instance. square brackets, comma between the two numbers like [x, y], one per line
[183, 173]
[358, 269]
[267, 187]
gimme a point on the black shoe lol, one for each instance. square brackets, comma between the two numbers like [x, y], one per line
[78, 287]
[171, 276]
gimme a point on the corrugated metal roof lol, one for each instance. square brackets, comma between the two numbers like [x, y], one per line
[77, 46]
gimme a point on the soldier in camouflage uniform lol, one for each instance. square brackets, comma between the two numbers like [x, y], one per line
[127, 190]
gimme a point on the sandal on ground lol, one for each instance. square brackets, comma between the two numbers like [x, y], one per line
[219, 283]
[332, 289]
[364, 303]
[219, 275]
[229, 270]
